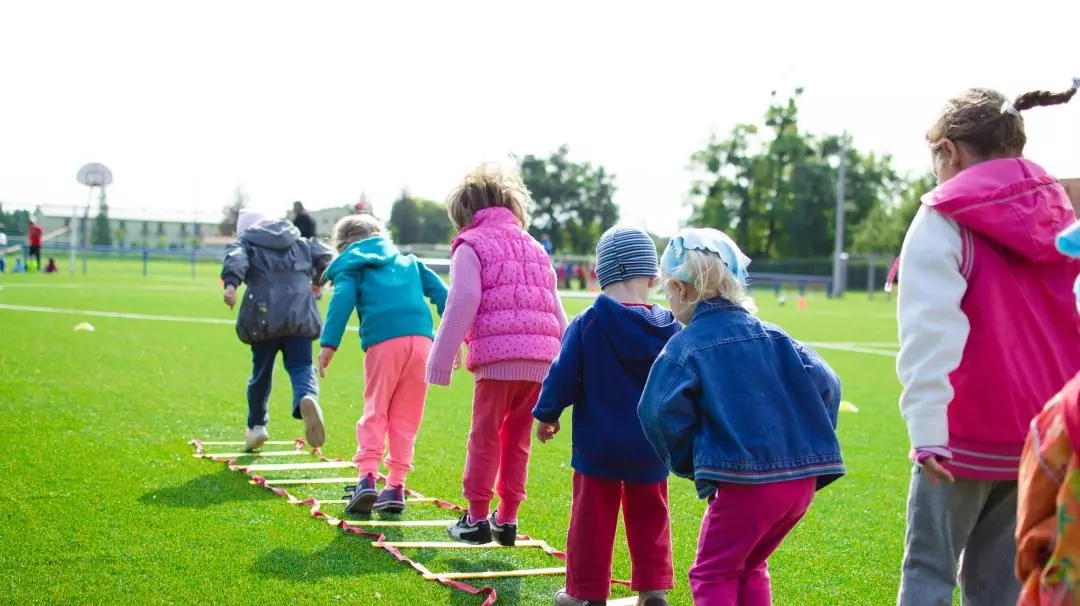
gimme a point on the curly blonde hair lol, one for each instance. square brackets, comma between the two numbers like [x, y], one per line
[711, 278]
[354, 228]
[983, 119]
[490, 185]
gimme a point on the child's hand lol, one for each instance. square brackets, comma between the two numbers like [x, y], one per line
[325, 355]
[459, 357]
[316, 289]
[230, 296]
[936, 471]
[546, 431]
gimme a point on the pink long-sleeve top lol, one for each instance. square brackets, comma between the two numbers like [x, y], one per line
[462, 303]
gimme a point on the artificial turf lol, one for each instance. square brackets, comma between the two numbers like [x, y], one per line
[101, 500]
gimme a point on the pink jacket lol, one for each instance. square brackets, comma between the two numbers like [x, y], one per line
[503, 300]
[1021, 341]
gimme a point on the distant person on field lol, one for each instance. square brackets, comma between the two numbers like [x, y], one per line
[51, 267]
[303, 221]
[504, 304]
[549, 246]
[1048, 511]
[277, 314]
[386, 289]
[988, 334]
[606, 355]
[34, 237]
[742, 409]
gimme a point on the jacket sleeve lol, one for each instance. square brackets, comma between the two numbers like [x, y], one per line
[342, 304]
[235, 267]
[669, 414]
[463, 301]
[321, 256]
[824, 378]
[933, 329]
[563, 386]
[434, 287]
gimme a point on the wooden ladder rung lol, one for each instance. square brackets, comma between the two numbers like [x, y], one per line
[416, 523]
[298, 481]
[494, 574]
[268, 442]
[233, 455]
[454, 545]
[294, 466]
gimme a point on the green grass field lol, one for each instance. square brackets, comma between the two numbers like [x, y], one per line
[102, 502]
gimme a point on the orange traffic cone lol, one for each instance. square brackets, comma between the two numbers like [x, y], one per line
[802, 303]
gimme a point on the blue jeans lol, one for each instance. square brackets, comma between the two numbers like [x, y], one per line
[297, 354]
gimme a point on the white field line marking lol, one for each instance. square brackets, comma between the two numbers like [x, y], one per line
[865, 348]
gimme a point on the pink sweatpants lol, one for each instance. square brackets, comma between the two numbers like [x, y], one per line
[743, 526]
[394, 391]
[499, 442]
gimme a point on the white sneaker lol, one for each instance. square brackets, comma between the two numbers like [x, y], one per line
[255, 437]
[314, 430]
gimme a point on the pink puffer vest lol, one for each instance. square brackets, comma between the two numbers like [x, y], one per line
[518, 315]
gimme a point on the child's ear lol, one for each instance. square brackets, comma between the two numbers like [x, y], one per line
[652, 282]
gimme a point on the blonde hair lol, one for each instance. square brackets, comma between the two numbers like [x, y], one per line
[354, 228]
[490, 185]
[988, 122]
[711, 278]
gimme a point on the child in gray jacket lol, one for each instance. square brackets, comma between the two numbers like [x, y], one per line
[278, 314]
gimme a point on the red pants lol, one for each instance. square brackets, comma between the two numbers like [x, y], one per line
[499, 442]
[742, 527]
[591, 539]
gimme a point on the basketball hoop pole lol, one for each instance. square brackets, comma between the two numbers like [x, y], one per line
[91, 175]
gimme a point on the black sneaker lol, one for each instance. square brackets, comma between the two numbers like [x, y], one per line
[364, 496]
[505, 534]
[477, 533]
[391, 500]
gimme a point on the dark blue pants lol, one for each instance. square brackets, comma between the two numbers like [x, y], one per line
[297, 354]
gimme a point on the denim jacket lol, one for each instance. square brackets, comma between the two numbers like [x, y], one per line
[732, 399]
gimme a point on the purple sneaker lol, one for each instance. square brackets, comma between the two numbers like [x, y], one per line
[391, 500]
[364, 496]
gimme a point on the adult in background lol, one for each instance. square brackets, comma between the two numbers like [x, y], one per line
[34, 237]
[303, 221]
[549, 246]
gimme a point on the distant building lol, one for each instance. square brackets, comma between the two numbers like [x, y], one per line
[137, 232]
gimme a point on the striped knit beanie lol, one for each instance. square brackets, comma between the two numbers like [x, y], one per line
[624, 253]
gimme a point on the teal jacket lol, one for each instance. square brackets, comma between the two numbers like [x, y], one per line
[387, 290]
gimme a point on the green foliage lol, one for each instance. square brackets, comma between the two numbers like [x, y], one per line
[419, 221]
[573, 201]
[101, 232]
[774, 186]
[231, 212]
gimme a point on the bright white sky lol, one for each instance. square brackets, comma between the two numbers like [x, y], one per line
[318, 101]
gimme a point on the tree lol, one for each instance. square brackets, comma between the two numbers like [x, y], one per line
[405, 219]
[121, 234]
[101, 232]
[435, 225]
[884, 228]
[573, 201]
[774, 187]
[227, 227]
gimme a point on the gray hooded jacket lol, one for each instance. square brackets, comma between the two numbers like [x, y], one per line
[278, 267]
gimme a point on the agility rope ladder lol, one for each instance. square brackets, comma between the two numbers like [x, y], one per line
[364, 528]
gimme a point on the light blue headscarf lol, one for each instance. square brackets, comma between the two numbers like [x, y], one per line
[673, 262]
[1068, 242]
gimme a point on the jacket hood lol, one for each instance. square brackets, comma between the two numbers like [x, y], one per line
[1011, 201]
[374, 251]
[636, 337]
[278, 235]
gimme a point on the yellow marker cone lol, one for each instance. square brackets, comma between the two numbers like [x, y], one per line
[84, 326]
[846, 406]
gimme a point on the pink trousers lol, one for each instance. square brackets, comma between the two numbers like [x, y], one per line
[394, 391]
[743, 526]
[499, 442]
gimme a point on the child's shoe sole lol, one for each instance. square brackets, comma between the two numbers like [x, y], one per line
[256, 444]
[314, 430]
[362, 503]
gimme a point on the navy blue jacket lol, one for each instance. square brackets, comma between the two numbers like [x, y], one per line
[601, 370]
[734, 399]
